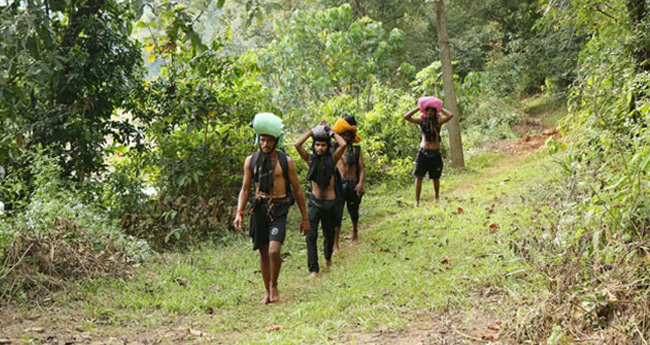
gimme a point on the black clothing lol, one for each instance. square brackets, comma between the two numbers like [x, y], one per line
[350, 197]
[321, 169]
[284, 164]
[430, 128]
[263, 173]
[428, 161]
[268, 221]
[268, 218]
[323, 211]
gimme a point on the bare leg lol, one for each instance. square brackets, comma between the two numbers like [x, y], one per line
[436, 187]
[418, 189]
[337, 232]
[355, 232]
[265, 267]
[275, 258]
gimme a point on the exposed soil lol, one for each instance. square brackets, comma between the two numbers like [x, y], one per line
[441, 329]
[54, 325]
[533, 135]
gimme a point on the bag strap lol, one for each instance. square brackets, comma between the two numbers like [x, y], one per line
[284, 164]
[357, 154]
[253, 161]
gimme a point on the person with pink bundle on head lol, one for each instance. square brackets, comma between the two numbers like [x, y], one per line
[428, 159]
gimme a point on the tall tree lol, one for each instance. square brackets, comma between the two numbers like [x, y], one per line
[68, 66]
[455, 143]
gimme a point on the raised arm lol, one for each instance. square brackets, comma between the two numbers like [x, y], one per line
[300, 198]
[301, 150]
[409, 116]
[342, 145]
[243, 195]
[448, 116]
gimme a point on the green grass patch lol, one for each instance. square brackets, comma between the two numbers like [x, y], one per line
[549, 110]
[410, 262]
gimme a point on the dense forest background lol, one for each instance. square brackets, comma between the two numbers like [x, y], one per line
[125, 124]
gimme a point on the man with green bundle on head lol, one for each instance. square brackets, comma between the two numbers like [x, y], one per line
[322, 200]
[352, 170]
[274, 176]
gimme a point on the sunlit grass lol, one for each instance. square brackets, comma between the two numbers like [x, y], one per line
[397, 273]
[548, 110]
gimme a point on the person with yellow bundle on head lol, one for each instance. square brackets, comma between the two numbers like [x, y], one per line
[352, 172]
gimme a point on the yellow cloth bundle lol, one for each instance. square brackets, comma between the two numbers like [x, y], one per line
[341, 126]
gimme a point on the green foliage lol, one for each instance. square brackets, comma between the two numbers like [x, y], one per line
[66, 68]
[195, 114]
[601, 219]
[52, 199]
[55, 235]
[608, 126]
[386, 281]
[390, 142]
[123, 190]
[322, 54]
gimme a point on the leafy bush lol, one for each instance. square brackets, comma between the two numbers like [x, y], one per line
[600, 225]
[57, 235]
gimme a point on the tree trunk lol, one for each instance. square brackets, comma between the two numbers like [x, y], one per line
[453, 126]
[638, 13]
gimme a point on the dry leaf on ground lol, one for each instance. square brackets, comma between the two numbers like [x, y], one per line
[490, 337]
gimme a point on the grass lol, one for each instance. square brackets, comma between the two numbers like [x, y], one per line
[548, 110]
[394, 279]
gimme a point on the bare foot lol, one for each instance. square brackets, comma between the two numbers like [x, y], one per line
[266, 300]
[336, 249]
[417, 204]
[328, 264]
[313, 275]
[274, 295]
[355, 237]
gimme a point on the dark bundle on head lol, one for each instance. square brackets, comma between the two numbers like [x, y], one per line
[350, 119]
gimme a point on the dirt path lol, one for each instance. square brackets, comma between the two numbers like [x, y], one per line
[69, 324]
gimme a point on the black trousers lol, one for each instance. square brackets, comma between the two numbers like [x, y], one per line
[324, 212]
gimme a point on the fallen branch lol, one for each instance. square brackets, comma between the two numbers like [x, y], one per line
[17, 263]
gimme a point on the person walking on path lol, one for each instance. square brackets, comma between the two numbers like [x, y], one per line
[322, 200]
[274, 176]
[428, 159]
[352, 170]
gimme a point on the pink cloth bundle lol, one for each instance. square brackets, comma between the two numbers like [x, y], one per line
[430, 102]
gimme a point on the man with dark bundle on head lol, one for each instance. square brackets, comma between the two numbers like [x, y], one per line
[274, 175]
[322, 200]
[428, 159]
